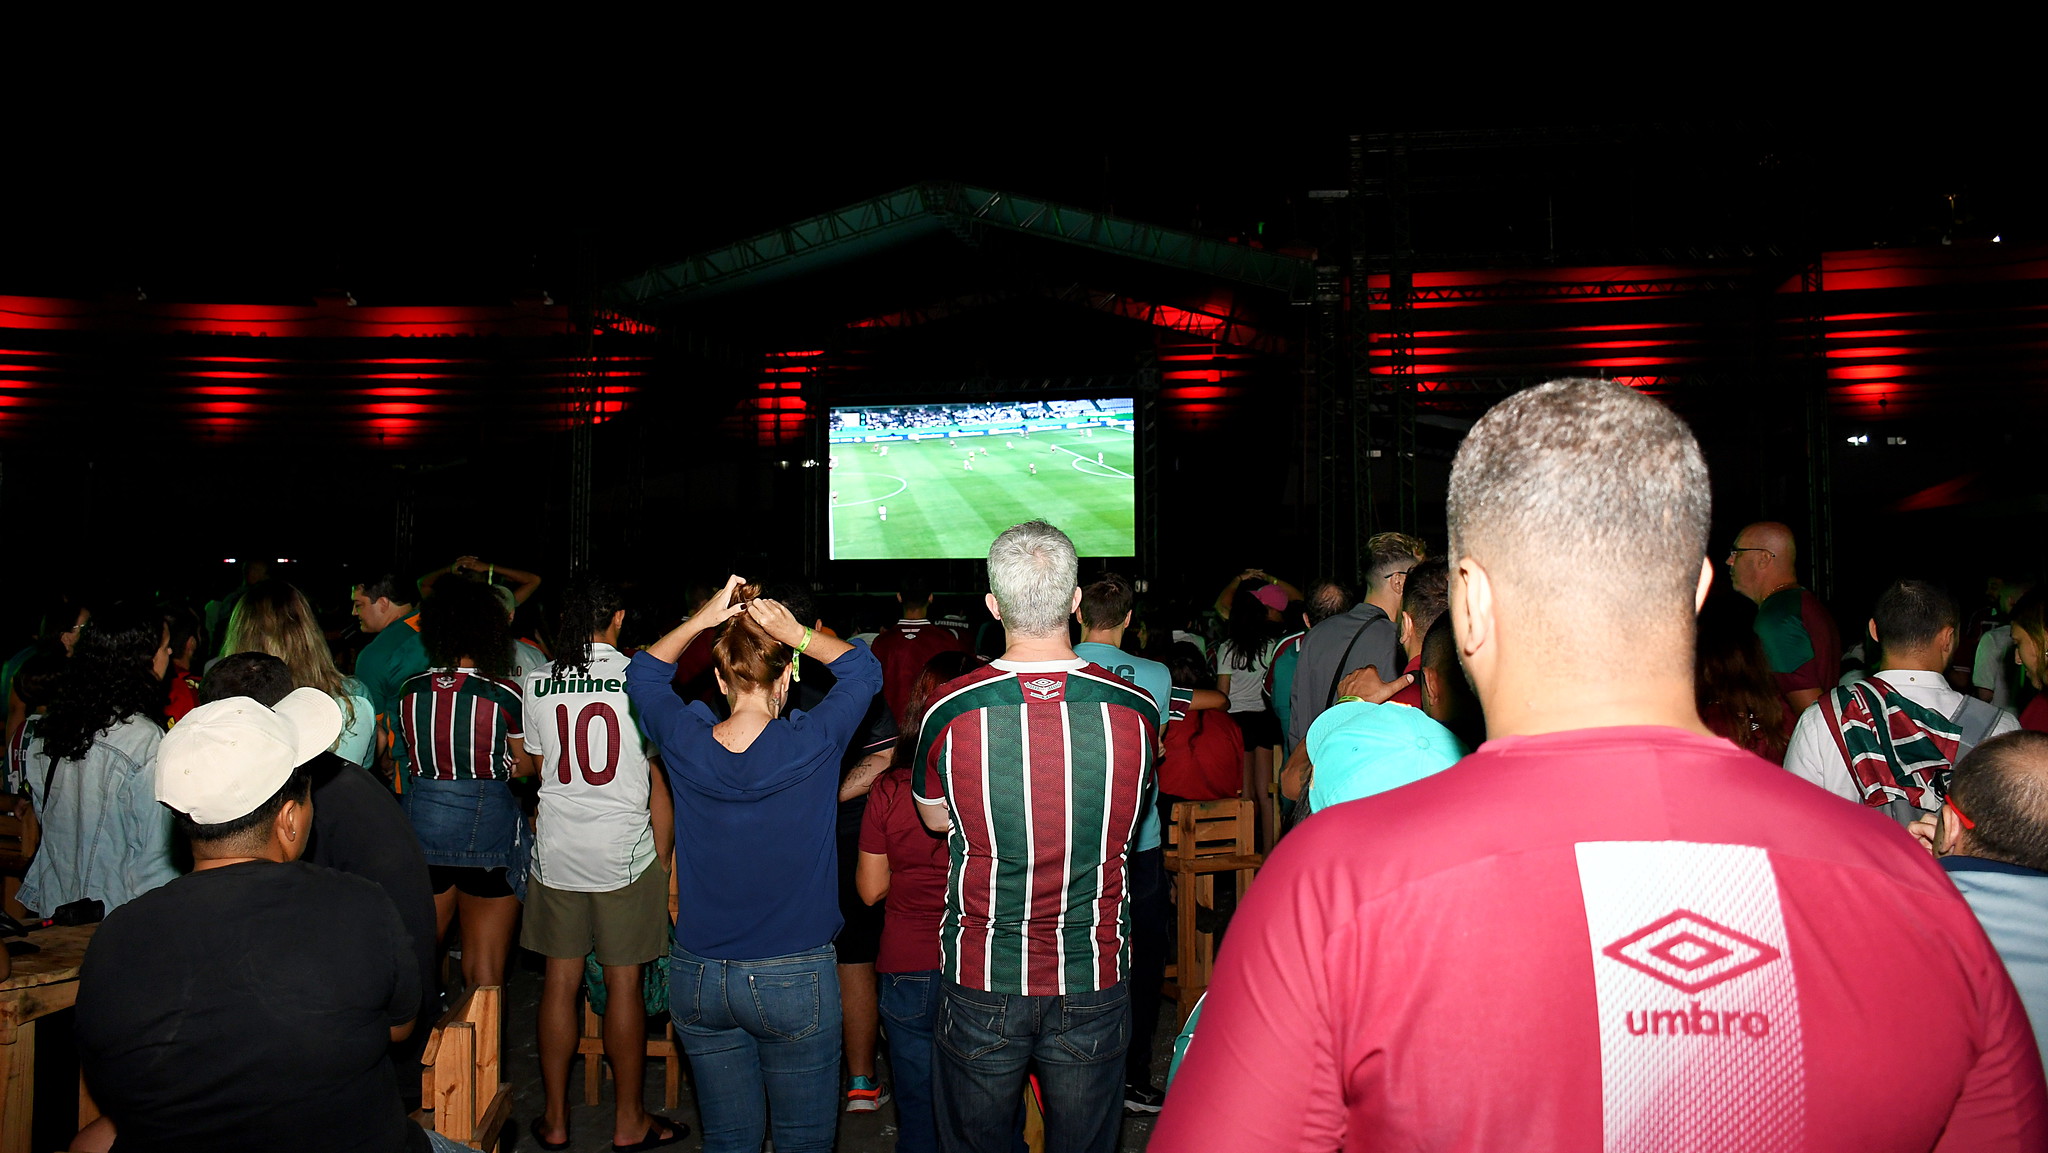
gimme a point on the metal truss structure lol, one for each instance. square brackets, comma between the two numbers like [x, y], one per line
[965, 211]
[1232, 328]
[1356, 439]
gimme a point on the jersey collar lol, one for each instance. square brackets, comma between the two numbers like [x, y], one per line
[1040, 666]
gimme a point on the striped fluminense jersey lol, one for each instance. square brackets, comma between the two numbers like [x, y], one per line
[1043, 767]
[458, 725]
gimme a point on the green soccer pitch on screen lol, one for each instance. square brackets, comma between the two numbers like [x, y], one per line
[928, 481]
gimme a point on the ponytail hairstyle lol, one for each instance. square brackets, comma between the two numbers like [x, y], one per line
[464, 619]
[588, 605]
[745, 653]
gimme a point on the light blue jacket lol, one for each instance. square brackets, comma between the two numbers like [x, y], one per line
[104, 833]
[2011, 902]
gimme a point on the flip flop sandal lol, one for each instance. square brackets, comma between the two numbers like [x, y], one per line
[678, 1131]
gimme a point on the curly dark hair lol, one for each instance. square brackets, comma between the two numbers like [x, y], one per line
[588, 605]
[109, 678]
[464, 621]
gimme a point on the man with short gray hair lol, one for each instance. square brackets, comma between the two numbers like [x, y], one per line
[1607, 928]
[1036, 767]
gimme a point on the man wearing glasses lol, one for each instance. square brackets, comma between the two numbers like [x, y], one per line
[1800, 641]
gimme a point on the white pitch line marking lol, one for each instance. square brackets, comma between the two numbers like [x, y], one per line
[901, 484]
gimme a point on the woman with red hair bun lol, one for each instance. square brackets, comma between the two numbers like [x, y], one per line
[753, 977]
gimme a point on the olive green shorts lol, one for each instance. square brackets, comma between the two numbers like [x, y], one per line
[626, 926]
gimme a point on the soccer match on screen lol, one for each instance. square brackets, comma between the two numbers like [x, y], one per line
[940, 480]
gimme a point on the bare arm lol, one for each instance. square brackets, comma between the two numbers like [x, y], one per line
[1229, 593]
[1209, 699]
[871, 877]
[862, 778]
[524, 584]
[935, 817]
[661, 808]
[712, 613]
[1802, 698]
[1294, 777]
[527, 764]
[401, 1032]
[1983, 694]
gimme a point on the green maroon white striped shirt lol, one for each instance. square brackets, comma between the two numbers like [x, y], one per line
[1043, 767]
[458, 725]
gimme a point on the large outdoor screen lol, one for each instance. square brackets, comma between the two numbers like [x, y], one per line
[914, 481]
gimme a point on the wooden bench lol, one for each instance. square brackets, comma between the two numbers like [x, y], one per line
[462, 1088]
[1206, 838]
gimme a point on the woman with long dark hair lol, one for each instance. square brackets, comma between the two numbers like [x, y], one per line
[1251, 635]
[753, 977]
[902, 860]
[459, 719]
[275, 618]
[1732, 683]
[92, 774]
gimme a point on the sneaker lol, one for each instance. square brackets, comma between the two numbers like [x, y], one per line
[1143, 1099]
[865, 1095]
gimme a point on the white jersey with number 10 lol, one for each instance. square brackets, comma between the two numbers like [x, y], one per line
[594, 833]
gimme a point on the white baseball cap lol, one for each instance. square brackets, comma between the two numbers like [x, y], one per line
[222, 760]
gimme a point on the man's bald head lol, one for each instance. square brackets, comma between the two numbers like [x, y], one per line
[2002, 786]
[1761, 560]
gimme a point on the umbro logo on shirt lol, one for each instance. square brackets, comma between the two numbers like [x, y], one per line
[1044, 688]
[1689, 952]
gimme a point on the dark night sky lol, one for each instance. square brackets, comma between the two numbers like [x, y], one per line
[397, 219]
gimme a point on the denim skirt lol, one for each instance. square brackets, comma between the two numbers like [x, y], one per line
[469, 825]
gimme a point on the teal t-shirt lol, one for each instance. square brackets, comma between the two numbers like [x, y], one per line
[1282, 678]
[1361, 749]
[1781, 627]
[1157, 682]
[395, 656]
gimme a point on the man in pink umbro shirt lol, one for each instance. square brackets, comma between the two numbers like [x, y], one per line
[1607, 928]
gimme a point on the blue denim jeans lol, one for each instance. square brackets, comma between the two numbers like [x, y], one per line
[910, 1007]
[985, 1041]
[763, 1040]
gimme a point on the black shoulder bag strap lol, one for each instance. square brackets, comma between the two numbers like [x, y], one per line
[1344, 662]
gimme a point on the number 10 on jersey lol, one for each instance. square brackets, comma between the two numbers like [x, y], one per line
[591, 714]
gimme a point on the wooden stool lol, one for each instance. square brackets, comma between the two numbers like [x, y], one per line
[461, 1085]
[591, 1044]
[595, 1068]
[1205, 838]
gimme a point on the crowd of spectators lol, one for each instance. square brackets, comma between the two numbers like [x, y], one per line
[918, 861]
[946, 415]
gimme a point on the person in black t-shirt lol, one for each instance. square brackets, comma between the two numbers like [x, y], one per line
[248, 1005]
[358, 827]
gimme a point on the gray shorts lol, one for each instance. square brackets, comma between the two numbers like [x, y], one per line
[626, 926]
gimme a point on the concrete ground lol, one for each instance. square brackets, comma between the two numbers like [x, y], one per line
[590, 1128]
